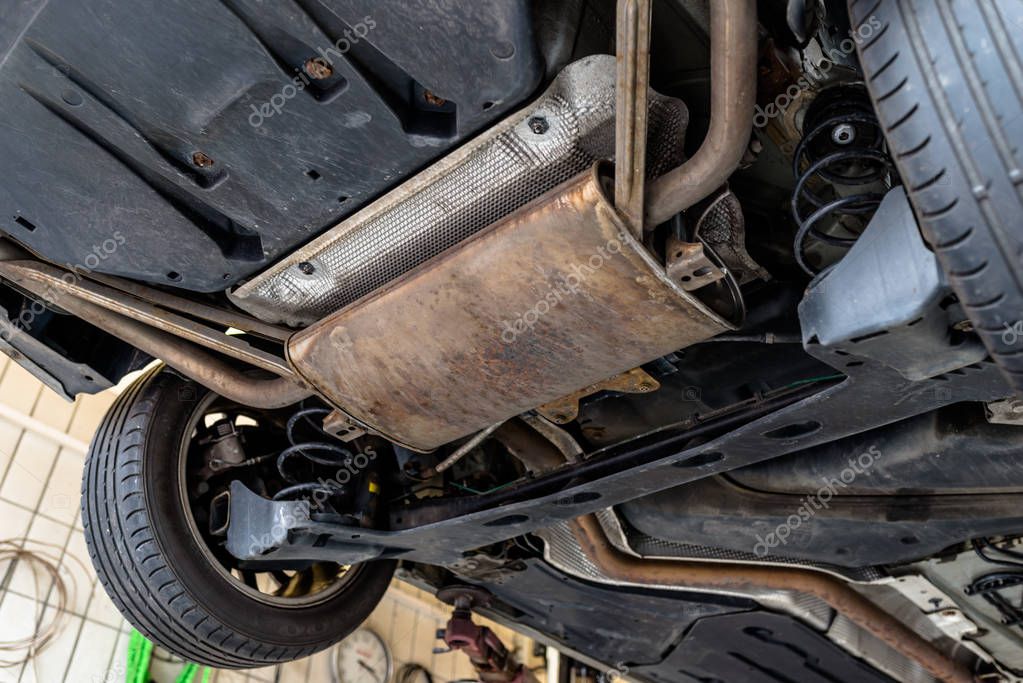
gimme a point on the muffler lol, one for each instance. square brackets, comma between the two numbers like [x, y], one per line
[557, 296]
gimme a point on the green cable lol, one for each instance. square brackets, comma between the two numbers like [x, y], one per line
[823, 378]
[140, 652]
[480, 493]
[188, 674]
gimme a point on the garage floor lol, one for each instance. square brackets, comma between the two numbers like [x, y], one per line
[43, 441]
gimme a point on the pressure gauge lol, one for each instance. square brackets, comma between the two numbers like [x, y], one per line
[362, 657]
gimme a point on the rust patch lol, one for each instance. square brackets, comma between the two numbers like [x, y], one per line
[318, 68]
[635, 381]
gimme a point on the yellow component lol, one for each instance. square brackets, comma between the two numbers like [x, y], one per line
[374, 487]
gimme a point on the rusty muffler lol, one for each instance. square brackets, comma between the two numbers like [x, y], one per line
[557, 296]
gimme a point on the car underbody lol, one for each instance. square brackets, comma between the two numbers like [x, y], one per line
[687, 332]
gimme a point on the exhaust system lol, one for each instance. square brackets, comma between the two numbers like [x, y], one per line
[440, 354]
[559, 295]
[145, 318]
[571, 267]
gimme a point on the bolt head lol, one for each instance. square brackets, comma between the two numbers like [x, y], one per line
[843, 134]
[433, 100]
[307, 268]
[202, 160]
[539, 125]
[318, 68]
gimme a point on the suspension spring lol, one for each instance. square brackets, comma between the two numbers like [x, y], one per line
[843, 170]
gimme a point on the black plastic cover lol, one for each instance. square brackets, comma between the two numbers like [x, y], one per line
[761, 648]
[192, 143]
[670, 636]
[888, 496]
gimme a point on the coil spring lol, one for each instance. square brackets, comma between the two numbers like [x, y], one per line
[844, 162]
[309, 450]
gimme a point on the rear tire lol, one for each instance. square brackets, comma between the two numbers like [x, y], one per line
[946, 79]
[150, 562]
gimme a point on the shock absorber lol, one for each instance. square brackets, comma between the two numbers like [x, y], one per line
[842, 170]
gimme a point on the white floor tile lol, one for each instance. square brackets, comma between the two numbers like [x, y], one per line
[47, 538]
[51, 663]
[229, 676]
[101, 609]
[265, 675]
[79, 572]
[91, 660]
[26, 477]
[14, 520]
[18, 617]
[320, 668]
[295, 672]
[63, 493]
[10, 434]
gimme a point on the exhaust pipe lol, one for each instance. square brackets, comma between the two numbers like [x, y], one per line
[710, 576]
[160, 333]
[733, 77]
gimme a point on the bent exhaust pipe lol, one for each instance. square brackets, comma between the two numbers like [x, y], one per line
[158, 333]
[192, 361]
[744, 578]
[733, 76]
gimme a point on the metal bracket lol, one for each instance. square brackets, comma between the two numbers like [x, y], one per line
[689, 265]
[1007, 412]
[564, 410]
[268, 530]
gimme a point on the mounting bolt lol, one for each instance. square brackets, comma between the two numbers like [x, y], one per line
[318, 68]
[202, 160]
[307, 268]
[433, 100]
[843, 134]
[539, 125]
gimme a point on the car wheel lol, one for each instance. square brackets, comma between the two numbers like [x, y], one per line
[146, 516]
